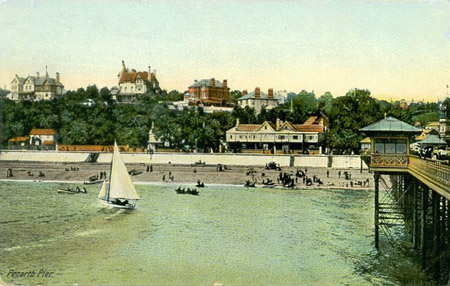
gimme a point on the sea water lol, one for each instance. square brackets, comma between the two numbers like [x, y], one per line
[227, 235]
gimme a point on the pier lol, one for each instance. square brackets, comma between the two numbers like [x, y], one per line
[413, 192]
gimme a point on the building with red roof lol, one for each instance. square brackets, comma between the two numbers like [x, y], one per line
[281, 137]
[133, 83]
[40, 138]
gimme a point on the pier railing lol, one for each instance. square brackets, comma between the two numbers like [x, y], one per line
[431, 169]
[389, 161]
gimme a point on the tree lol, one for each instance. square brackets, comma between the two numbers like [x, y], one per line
[348, 114]
[235, 95]
[325, 102]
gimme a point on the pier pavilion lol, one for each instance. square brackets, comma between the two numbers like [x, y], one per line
[415, 192]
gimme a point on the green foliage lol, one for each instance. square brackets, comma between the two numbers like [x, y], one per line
[425, 118]
[235, 95]
[348, 114]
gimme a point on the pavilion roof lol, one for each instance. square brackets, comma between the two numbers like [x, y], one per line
[390, 125]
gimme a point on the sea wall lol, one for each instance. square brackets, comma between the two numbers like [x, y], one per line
[324, 161]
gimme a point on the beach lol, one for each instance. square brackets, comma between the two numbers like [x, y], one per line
[181, 174]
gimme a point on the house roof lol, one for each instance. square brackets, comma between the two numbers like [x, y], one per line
[365, 140]
[41, 80]
[132, 76]
[19, 139]
[206, 82]
[36, 131]
[433, 140]
[425, 133]
[309, 128]
[248, 127]
[20, 79]
[297, 127]
[262, 96]
[390, 125]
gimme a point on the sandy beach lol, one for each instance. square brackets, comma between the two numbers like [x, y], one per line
[182, 174]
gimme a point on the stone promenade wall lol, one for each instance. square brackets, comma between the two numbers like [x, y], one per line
[323, 161]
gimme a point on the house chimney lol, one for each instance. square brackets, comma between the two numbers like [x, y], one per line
[225, 83]
[278, 123]
[57, 77]
[149, 73]
[270, 93]
[244, 92]
[257, 92]
[212, 82]
[237, 122]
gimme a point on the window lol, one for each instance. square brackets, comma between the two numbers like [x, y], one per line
[390, 146]
[231, 136]
[254, 137]
[281, 137]
[295, 137]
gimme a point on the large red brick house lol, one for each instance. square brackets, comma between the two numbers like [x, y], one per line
[208, 92]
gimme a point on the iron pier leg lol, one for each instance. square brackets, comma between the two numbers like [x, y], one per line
[423, 223]
[377, 214]
[436, 232]
[414, 214]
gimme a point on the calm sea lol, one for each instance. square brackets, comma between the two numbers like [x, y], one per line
[226, 235]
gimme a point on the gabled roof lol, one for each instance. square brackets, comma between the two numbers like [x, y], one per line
[131, 76]
[433, 140]
[365, 140]
[20, 79]
[390, 125]
[43, 80]
[267, 123]
[36, 131]
[287, 125]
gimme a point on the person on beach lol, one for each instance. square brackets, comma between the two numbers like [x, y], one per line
[339, 174]
[328, 173]
[164, 178]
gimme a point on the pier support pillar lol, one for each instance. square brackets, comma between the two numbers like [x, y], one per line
[423, 224]
[377, 210]
[415, 218]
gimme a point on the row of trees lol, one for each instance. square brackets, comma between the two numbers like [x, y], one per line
[105, 121]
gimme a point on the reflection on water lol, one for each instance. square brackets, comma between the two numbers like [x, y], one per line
[228, 235]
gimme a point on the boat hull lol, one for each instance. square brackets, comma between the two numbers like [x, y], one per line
[114, 206]
[63, 191]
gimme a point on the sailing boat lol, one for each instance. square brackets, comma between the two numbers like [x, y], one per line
[119, 192]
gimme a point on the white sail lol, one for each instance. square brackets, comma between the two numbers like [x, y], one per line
[121, 186]
[102, 193]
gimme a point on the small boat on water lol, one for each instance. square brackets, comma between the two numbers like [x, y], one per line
[66, 191]
[72, 191]
[248, 184]
[92, 182]
[188, 191]
[200, 184]
[119, 192]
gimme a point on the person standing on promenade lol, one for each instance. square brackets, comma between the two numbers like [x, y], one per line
[328, 173]
[339, 174]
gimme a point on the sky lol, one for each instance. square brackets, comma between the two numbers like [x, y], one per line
[396, 49]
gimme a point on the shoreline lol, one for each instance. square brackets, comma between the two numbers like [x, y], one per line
[182, 175]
